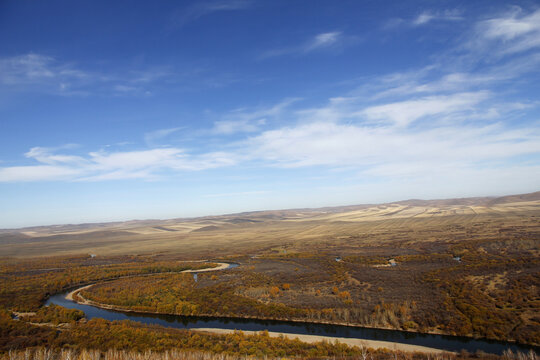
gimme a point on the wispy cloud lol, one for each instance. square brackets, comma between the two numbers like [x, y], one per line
[247, 121]
[512, 32]
[228, 127]
[323, 40]
[152, 137]
[369, 148]
[46, 74]
[424, 18]
[40, 72]
[47, 156]
[428, 16]
[37, 173]
[103, 165]
[319, 42]
[404, 113]
[203, 8]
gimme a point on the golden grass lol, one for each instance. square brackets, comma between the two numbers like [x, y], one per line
[242, 233]
[69, 354]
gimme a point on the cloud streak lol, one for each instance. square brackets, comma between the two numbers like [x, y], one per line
[42, 73]
[404, 113]
[424, 18]
[512, 32]
[153, 137]
[45, 74]
[429, 16]
[204, 8]
[319, 42]
[248, 121]
[102, 165]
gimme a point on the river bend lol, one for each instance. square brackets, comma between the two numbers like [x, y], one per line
[443, 342]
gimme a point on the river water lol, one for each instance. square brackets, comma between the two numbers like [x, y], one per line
[445, 342]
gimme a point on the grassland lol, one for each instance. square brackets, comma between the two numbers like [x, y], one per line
[248, 233]
[464, 266]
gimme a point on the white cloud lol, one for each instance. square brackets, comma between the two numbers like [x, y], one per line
[203, 8]
[323, 40]
[378, 149]
[47, 156]
[227, 127]
[244, 121]
[424, 18]
[511, 25]
[46, 74]
[37, 173]
[429, 16]
[134, 160]
[37, 69]
[512, 32]
[319, 42]
[146, 164]
[152, 137]
[318, 143]
[41, 73]
[404, 113]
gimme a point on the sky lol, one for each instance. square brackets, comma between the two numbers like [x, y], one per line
[120, 110]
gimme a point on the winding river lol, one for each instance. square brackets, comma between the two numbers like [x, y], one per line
[443, 342]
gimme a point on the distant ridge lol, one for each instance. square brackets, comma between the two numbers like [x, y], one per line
[535, 196]
[210, 234]
[256, 216]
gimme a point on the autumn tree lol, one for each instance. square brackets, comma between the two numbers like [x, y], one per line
[274, 291]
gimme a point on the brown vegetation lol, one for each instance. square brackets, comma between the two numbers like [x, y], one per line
[54, 314]
[125, 335]
[468, 267]
[42, 353]
[407, 296]
[24, 284]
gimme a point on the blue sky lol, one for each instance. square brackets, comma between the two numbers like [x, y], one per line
[137, 109]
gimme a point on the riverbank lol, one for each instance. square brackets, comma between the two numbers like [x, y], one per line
[83, 301]
[71, 295]
[371, 344]
[389, 345]
[211, 322]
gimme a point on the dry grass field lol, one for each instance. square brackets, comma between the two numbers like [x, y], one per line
[246, 233]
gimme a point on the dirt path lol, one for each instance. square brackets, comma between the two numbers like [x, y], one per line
[373, 344]
[221, 266]
[70, 295]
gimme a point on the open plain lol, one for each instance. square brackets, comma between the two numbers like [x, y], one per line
[395, 224]
[467, 267]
